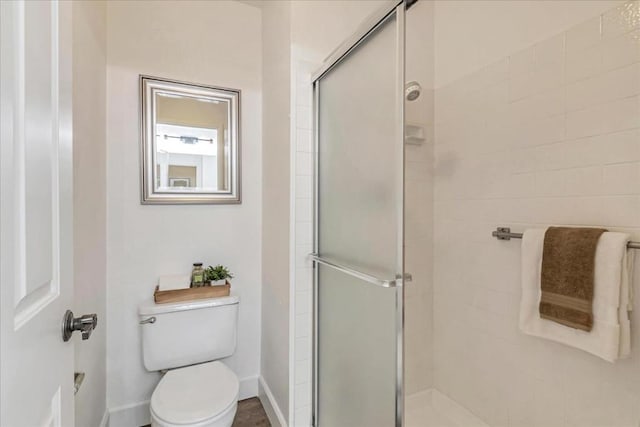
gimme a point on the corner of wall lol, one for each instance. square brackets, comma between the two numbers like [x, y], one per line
[270, 405]
[276, 211]
[90, 203]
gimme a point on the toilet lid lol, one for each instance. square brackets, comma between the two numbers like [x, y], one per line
[195, 393]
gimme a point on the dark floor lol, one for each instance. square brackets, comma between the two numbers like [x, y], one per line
[250, 414]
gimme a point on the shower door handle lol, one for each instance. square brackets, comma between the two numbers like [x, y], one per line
[385, 283]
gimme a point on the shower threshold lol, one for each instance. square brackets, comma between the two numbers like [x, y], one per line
[430, 408]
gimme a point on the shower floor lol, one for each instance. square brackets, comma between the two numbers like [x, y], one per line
[430, 408]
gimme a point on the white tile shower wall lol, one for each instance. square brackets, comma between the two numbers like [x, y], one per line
[303, 143]
[418, 220]
[471, 34]
[549, 135]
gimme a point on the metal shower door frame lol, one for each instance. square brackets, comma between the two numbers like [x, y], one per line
[397, 8]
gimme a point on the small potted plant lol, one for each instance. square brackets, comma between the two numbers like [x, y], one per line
[217, 275]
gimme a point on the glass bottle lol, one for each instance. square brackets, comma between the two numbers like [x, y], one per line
[197, 275]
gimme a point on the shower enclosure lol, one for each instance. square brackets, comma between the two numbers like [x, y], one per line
[436, 123]
[359, 192]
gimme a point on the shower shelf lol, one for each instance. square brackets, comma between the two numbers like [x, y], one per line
[414, 134]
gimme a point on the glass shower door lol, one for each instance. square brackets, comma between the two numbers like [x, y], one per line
[359, 228]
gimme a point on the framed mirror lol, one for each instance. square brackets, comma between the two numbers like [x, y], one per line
[190, 143]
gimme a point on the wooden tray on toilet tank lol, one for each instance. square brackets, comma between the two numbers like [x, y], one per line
[188, 294]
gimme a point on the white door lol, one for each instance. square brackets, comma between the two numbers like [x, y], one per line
[36, 376]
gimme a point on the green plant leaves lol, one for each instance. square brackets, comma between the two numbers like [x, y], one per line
[219, 272]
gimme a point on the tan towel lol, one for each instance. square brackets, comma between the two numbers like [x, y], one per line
[568, 264]
[610, 337]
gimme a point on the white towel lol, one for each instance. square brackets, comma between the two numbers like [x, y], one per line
[610, 337]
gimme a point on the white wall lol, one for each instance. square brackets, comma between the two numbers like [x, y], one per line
[276, 207]
[548, 134]
[90, 203]
[470, 34]
[215, 43]
[318, 27]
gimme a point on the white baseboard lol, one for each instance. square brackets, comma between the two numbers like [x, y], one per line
[137, 414]
[276, 418]
[248, 387]
[105, 419]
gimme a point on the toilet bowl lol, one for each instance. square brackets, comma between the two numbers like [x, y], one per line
[204, 395]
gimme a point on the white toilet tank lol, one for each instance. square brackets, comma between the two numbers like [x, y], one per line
[189, 332]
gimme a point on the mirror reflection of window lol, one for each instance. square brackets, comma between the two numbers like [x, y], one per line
[190, 136]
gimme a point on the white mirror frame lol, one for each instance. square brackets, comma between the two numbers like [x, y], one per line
[149, 195]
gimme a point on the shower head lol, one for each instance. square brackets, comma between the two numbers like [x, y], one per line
[412, 90]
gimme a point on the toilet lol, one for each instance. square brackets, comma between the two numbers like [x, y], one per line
[187, 339]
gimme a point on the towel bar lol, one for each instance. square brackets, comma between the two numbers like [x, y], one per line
[504, 233]
[385, 283]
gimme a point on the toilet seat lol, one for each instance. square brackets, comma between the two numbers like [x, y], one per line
[196, 395]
